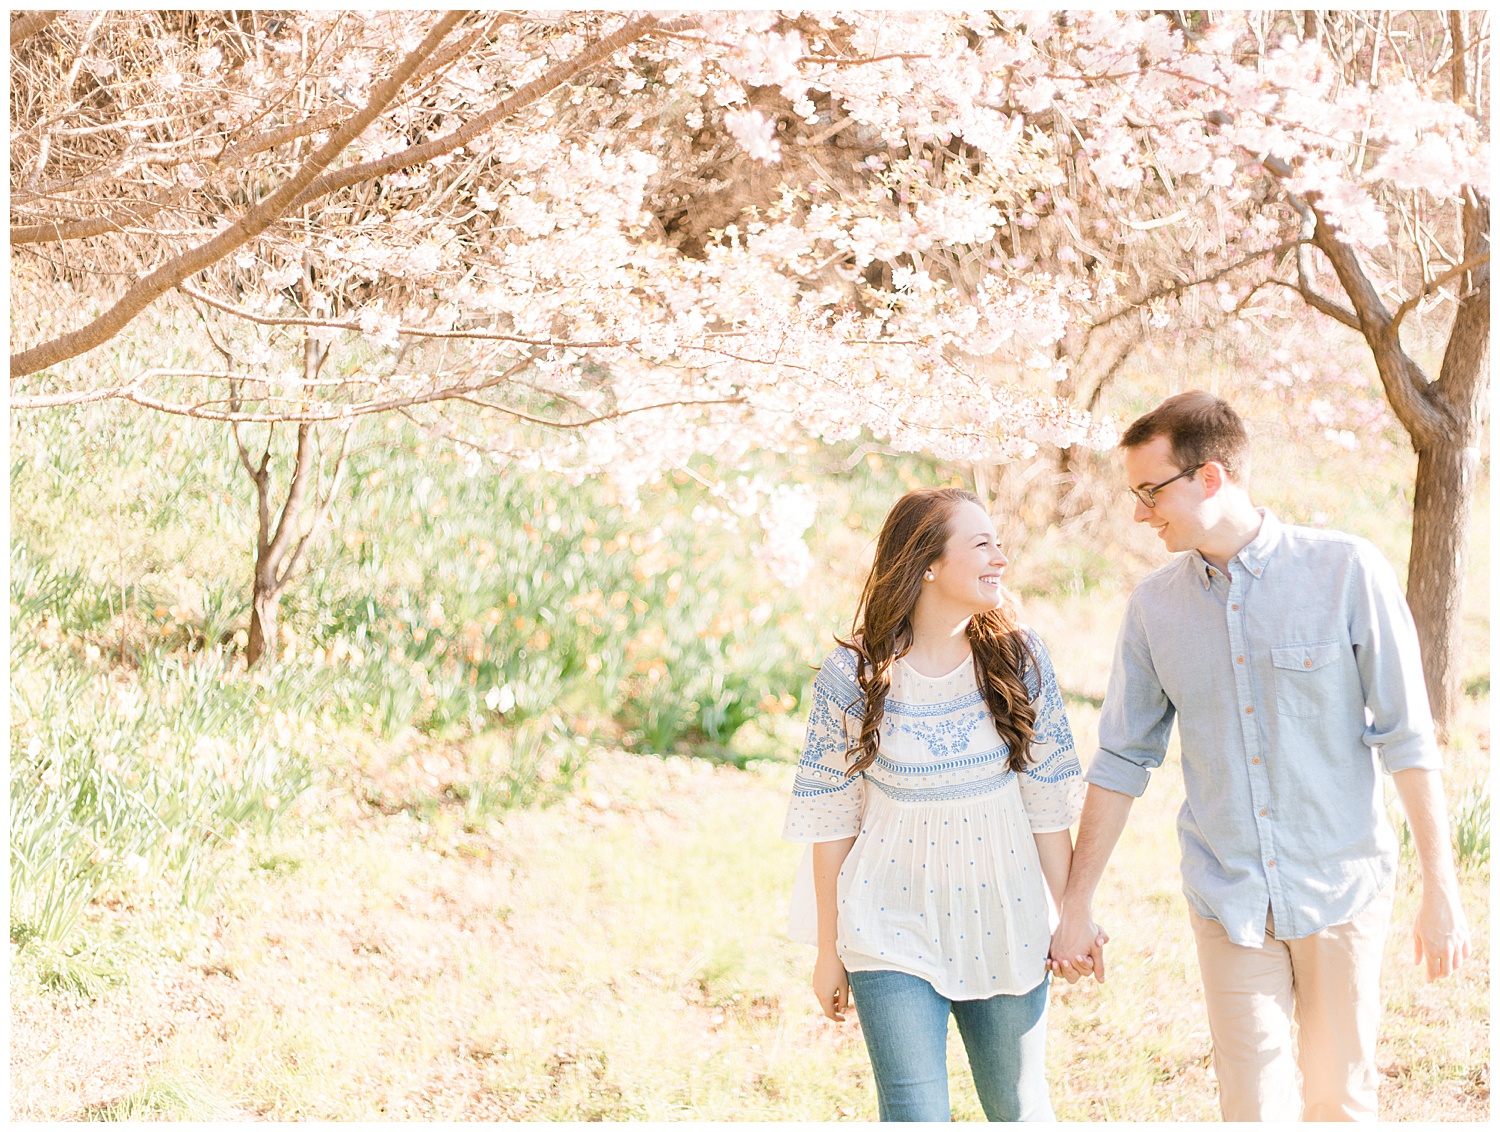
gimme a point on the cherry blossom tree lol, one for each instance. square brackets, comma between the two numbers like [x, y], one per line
[438, 208]
[606, 242]
[1227, 171]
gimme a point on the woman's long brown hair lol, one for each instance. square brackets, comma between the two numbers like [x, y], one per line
[914, 536]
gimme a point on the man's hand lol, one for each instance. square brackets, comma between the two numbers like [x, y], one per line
[1077, 948]
[1440, 934]
[1078, 944]
[831, 984]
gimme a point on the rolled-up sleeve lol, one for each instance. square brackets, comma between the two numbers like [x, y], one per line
[1398, 716]
[1052, 784]
[827, 802]
[1137, 715]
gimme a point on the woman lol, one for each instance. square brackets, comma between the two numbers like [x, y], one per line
[937, 786]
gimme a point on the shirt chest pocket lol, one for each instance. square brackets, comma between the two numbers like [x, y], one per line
[1309, 681]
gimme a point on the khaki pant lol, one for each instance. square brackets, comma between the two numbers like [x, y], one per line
[1329, 983]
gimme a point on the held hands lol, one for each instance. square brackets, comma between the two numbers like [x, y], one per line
[1440, 934]
[831, 984]
[1077, 948]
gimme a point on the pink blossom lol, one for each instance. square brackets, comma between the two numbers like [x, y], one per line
[756, 134]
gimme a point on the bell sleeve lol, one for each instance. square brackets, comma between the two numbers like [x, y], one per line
[1052, 785]
[826, 801]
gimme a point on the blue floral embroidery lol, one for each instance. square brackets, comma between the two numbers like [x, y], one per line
[948, 736]
[944, 729]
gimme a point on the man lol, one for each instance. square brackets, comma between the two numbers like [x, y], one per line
[1288, 658]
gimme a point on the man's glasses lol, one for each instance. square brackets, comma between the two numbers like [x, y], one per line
[1146, 495]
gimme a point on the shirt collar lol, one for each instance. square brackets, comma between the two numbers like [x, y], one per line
[1257, 552]
[1254, 554]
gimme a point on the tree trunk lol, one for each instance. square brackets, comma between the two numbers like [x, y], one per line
[278, 549]
[1444, 503]
[1447, 475]
[1444, 419]
[265, 619]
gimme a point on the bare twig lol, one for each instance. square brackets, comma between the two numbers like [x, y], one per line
[1176, 288]
[1435, 284]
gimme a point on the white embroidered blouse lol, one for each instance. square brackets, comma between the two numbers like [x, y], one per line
[943, 881]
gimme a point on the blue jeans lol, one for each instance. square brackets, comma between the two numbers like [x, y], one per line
[905, 1023]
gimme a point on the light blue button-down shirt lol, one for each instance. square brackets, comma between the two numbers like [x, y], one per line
[1285, 677]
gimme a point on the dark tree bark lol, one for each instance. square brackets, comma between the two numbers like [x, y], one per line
[1447, 474]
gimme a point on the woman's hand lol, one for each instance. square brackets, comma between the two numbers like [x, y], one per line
[831, 984]
[830, 981]
[1072, 956]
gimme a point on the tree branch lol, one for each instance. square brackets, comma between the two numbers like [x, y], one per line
[1114, 368]
[1320, 303]
[234, 427]
[24, 25]
[321, 514]
[291, 510]
[250, 225]
[1463, 377]
[1407, 387]
[121, 218]
[475, 127]
[1448, 276]
[599, 418]
[1188, 284]
[45, 148]
[412, 331]
[123, 392]
[84, 396]
[262, 478]
[327, 412]
[1457, 22]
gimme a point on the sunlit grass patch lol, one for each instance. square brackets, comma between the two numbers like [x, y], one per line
[163, 1098]
[137, 786]
[620, 955]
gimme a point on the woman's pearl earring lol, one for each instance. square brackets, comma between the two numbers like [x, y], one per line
[928, 575]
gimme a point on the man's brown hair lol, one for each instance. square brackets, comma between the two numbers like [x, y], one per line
[1200, 427]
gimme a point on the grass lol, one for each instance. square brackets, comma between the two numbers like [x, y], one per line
[164, 1098]
[619, 955]
[460, 606]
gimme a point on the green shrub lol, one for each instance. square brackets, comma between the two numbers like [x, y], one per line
[1471, 827]
[477, 604]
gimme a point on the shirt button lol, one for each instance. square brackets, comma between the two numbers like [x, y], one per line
[1249, 710]
[1234, 607]
[1255, 761]
[1307, 664]
[1263, 813]
[1239, 660]
[1272, 864]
